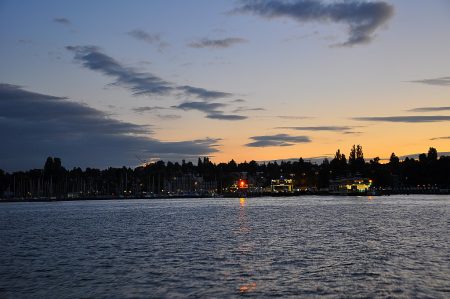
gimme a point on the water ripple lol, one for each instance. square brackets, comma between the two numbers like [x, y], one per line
[395, 246]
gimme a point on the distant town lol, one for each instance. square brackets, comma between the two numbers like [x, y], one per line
[430, 173]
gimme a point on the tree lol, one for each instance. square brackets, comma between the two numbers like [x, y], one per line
[54, 180]
[338, 165]
[375, 161]
[48, 167]
[338, 155]
[352, 155]
[356, 153]
[356, 159]
[432, 154]
[394, 160]
[423, 158]
[359, 152]
[232, 166]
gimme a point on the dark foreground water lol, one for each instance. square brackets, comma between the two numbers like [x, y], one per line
[259, 247]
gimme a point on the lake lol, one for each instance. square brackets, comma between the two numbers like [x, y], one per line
[307, 246]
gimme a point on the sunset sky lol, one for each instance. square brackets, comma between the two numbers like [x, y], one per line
[112, 83]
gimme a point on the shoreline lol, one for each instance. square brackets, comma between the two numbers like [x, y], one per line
[192, 196]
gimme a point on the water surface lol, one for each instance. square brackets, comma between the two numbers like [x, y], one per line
[258, 247]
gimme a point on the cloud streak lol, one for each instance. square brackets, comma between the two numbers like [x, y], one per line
[320, 128]
[217, 43]
[429, 109]
[63, 21]
[442, 81]
[145, 36]
[168, 116]
[200, 106]
[440, 138]
[152, 39]
[138, 83]
[211, 109]
[80, 135]
[243, 108]
[204, 94]
[362, 18]
[221, 116]
[406, 119]
[148, 109]
[290, 117]
[277, 140]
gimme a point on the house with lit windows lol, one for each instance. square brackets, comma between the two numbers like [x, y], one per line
[351, 185]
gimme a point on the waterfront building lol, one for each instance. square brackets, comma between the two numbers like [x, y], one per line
[350, 185]
[282, 185]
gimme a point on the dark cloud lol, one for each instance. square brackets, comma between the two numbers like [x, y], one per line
[34, 126]
[153, 39]
[63, 21]
[362, 18]
[238, 101]
[221, 116]
[139, 83]
[277, 140]
[352, 133]
[442, 81]
[440, 138]
[217, 43]
[406, 119]
[429, 109]
[319, 128]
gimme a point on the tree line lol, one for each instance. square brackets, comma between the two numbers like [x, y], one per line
[56, 181]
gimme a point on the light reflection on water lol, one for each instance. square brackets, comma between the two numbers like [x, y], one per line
[245, 249]
[259, 247]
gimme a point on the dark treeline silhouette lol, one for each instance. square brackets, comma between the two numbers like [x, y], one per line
[54, 181]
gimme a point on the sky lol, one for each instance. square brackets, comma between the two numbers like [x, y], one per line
[120, 83]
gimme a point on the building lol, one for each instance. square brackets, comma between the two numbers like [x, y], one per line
[282, 185]
[352, 185]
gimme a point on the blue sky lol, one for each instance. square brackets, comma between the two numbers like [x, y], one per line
[302, 78]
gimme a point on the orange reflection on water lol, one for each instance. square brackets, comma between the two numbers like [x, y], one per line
[247, 287]
[245, 247]
[243, 226]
